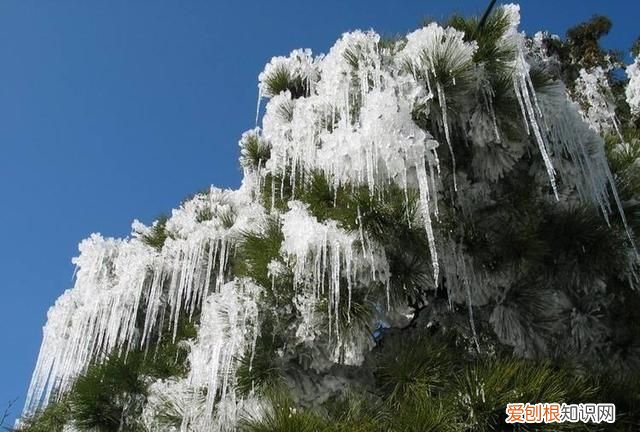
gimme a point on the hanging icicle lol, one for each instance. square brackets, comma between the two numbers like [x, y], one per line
[328, 261]
[115, 279]
[352, 117]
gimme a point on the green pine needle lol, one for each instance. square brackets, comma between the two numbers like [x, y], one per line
[51, 419]
[110, 396]
[158, 234]
[494, 55]
[260, 370]
[281, 81]
[409, 366]
[284, 416]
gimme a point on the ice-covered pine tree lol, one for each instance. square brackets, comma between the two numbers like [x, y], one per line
[427, 229]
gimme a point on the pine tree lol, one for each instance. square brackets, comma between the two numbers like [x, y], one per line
[429, 228]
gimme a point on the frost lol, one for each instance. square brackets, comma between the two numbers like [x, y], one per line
[275, 269]
[322, 255]
[356, 128]
[512, 13]
[594, 94]
[297, 68]
[139, 230]
[362, 117]
[115, 279]
[427, 46]
[425, 50]
[172, 405]
[228, 331]
[633, 88]
[176, 406]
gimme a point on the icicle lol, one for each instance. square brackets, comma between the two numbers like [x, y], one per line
[92, 319]
[322, 251]
[436, 213]
[273, 193]
[516, 90]
[115, 279]
[258, 104]
[445, 120]
[426, 215]
[472, 323]
[521, 78]
[361, 230]
[620, 208]
[228, 330]
[494, 121]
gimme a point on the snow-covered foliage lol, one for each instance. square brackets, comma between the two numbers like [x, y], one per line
[317, 248]
[229, 328]
[633, 88]
[298, 68]
[593, 92]
[367, 116]
[179, 406]
[94, 318]
[116, 279]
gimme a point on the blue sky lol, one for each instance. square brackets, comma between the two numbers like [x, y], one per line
[115, 110]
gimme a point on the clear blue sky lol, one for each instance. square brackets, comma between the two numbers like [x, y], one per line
[115, 110]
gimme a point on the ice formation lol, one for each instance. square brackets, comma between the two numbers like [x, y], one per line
[177, 406]
[323, 254]
[427, 47]
[228, 330]
[94, 318]
[633, 88]
[115, 279]
[568, 135]
[593, 92]
[350, 117]
[356, 128]
[298, 67]
[525, 91]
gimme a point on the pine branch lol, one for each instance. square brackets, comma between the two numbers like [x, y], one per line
[7, 413]
[484, 18]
